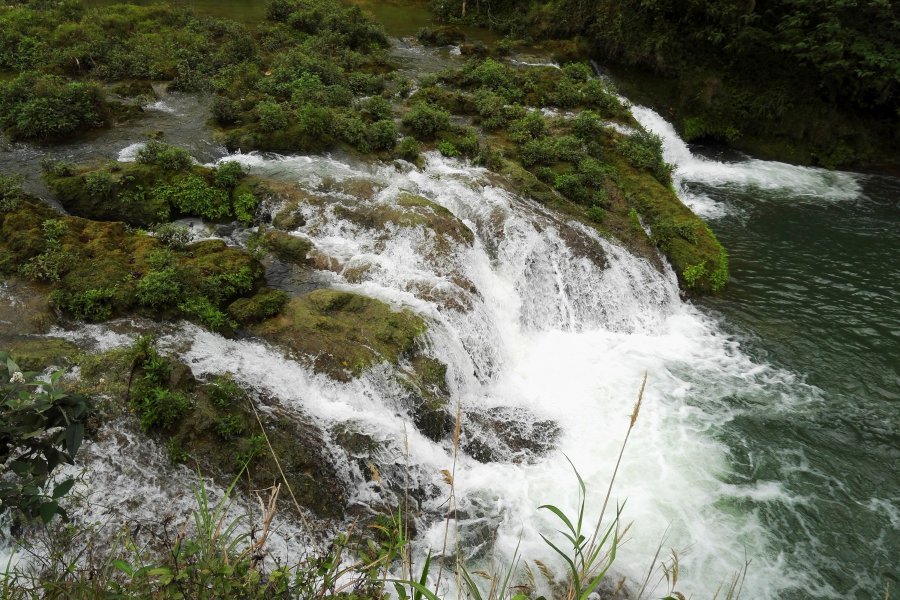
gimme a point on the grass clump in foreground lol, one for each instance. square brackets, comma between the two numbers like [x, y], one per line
[220, 551]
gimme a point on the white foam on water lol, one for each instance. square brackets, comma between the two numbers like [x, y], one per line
[129, 153]
[548, 330]
[813, 183]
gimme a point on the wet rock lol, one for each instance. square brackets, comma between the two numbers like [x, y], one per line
[506, 434]
[36, 354]
[287, 247]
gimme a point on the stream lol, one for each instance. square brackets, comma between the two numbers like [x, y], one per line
[770, 424]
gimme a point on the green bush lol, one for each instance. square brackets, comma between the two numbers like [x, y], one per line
[41, 428]
[539, 151]
[224, 391]
[382, 135]
[165, 156]
[571, 187]
[10, 192]
[39, 106]
[448, 149]
[379, 108]
[159, 407]
[224, 110]
[245, 208]
[229, 426]
[530, 127]
[408, 148]
[228, 174]
[271, 116]
[426, 120]
[99, 184]
[643, 150]
[193, 195]
[315, 121]
[596, 214]
[577, 71]
[160, 288]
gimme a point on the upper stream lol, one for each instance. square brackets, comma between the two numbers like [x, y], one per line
[770, 425]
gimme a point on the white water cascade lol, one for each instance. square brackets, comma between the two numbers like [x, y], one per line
[550, 327]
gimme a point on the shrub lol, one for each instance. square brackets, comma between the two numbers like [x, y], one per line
[224, 110]
[529, 127]
[408, 148]
[490, 158]
[163, 155]
[540, 151]
[379, 108]
[228, 174]
[160, 288]
[426, 120]
[271, 116]
[314, 120]
[643, 150]
[177, 454]
[41, 428]
[159, 407]
[546, 175]
[35, 105]
[577, 71]
[99, 184]
[503, 47]
[245, 208]
[193, 195]
[229, 426]
[448, 149]
[10, 192]
[224, 391]
[586, 125]
[596, 214]
[382, 135]
[571, 187]
[173, 235]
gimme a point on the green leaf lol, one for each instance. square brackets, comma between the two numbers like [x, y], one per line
[63, 488]
[123, 566]
[561, 515]
[74, 435]
[47, 510]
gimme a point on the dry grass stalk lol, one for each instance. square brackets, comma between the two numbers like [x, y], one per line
[283, 476]
[448, 478]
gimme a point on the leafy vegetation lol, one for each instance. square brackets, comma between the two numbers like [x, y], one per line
[41, 428]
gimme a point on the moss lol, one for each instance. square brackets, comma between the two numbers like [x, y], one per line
[342, 333]
[288, 248]
[265, 303]
[683, 237]
[35, 354]
[103, 269]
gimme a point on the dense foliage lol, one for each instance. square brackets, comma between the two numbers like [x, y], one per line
[41, 428]
[805, 71]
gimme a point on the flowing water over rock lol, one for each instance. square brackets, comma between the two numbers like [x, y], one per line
[768, 429]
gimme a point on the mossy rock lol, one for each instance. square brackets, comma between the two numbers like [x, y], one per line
[134, 89]
[693, 250]
[289, 248]
[35, 354]
[341, 333]
[97, 270]
[265, 303]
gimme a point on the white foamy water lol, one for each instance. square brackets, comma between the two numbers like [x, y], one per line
[546, 328]
[813, 183]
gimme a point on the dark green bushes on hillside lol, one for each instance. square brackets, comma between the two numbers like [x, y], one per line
[39, 106]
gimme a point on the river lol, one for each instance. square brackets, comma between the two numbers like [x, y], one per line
[769, 428]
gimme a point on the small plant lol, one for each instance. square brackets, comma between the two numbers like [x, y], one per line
[159, 407]
[225, 392]
[427, 120]
[256, 447]
[644, 151]
[271, 116]
[596, 214]
[99, 184]
[10, 192]
[408, 148]
[229, 426]
[173, 235]
[163, 155]
[245, 208]
[448, 149]
[228, 174]
[177, 454]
